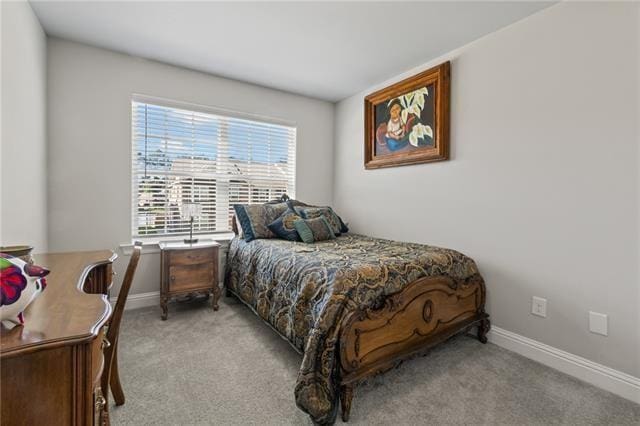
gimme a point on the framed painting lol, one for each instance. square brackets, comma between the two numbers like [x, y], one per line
[408, 122]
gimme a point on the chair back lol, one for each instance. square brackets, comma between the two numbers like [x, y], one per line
[118, 311]
[110, 375]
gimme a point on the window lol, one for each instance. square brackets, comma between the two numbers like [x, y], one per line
[182, 155]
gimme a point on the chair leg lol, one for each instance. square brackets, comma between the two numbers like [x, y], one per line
[346, 395]
[114, 380]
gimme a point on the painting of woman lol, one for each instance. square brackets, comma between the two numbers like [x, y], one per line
[408, 122]
[405, 123]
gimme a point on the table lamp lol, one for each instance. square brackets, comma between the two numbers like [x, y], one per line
[188, 212]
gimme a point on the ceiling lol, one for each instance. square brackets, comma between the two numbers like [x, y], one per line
[326, 50]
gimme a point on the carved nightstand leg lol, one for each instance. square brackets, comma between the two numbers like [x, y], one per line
[346, 395]
[165, 309]
[216, 293]
[483, 329]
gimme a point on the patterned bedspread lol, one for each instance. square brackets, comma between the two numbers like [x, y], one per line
[304, 290]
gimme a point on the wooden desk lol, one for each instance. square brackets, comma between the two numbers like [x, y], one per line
[50, 368]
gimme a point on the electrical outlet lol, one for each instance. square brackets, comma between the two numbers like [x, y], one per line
[598, 323]
[539, 306]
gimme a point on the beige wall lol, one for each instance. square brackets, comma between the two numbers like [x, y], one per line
[23, 162]
[90, 143]
[542, 186]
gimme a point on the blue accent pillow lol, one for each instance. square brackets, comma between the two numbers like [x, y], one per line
[255, 219]
[312, 230]
[337, 225]
[284, 226]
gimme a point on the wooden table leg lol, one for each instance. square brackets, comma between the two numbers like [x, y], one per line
[114, 380]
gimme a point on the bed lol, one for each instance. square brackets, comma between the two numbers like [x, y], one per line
[355, 306]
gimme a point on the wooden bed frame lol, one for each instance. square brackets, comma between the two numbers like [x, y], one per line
[405, 325]
[428, 311]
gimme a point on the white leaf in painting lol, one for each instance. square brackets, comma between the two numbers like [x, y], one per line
[428, 131]
[409, 97]
[417, 130]
[413, 139]
[419, 99]
[415, 109]
[405, 113]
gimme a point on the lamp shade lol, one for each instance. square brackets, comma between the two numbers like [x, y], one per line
[189, 210]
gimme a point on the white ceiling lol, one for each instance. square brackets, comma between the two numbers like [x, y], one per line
[319, 49]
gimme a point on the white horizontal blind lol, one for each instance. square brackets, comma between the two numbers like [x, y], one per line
[184, 156]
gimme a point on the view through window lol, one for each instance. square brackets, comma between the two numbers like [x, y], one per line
[184, 156]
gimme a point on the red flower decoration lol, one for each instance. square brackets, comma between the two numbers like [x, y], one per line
[12, 282]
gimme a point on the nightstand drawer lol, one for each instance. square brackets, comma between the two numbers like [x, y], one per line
[185, 277]
[190, 257]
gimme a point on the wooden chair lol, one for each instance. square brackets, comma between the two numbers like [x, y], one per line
[110, 375]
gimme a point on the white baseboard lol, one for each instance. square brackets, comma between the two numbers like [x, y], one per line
[614, 381]
[140, 300]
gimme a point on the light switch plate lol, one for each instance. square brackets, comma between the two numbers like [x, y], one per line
[598, 323]
[539, 306]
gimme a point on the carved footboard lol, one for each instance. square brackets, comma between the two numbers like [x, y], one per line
[428, 311]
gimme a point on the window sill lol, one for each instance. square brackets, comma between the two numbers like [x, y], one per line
[150, 244]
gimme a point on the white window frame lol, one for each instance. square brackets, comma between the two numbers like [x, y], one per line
[221, 213]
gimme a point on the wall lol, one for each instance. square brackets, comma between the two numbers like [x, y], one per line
[23, 167]
[542, 186]
[90, 141]
[638, 169]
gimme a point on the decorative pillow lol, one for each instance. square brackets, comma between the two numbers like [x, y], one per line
[284, 198]
[311, 230]
[297, 203]
[284, 226]
[255, 218]
[236, 227]
[20, 284]
[337, 225]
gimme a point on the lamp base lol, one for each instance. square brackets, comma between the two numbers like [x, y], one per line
[190, 240]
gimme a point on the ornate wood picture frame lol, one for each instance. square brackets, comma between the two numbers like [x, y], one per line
[408, 122]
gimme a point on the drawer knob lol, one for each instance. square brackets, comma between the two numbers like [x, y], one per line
[173, 277]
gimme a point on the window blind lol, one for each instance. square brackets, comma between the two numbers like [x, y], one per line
[184, 156]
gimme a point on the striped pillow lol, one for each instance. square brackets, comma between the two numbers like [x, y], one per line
[312, 230]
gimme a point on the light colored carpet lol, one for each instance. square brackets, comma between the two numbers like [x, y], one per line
[228, 368]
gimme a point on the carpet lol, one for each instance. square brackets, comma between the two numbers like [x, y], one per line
[228, 368]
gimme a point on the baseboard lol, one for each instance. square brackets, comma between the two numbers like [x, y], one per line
[614, 381]
[140, 300]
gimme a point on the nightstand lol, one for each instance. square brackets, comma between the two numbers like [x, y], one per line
[187, 269]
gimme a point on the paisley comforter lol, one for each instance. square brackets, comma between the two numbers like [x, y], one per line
[304, 290]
